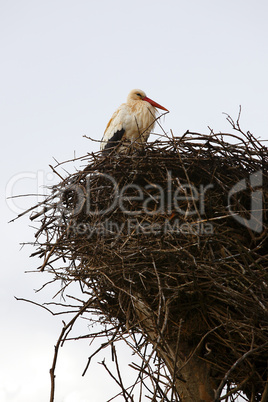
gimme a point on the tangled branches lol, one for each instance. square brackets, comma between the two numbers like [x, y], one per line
[170, 249]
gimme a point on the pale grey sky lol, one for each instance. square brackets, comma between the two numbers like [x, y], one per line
[65, 67]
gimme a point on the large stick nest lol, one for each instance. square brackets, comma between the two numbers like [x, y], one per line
[172, 226]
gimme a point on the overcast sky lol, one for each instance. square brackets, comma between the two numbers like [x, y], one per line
[66, 65]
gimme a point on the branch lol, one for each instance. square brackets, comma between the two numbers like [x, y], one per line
[240, 360]
[60, 339]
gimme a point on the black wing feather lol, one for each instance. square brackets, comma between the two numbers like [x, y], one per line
[114, 140]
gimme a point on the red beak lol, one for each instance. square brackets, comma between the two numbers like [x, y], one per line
[153, 103]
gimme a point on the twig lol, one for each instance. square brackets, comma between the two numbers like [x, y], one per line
[240, 360]
[56, 351]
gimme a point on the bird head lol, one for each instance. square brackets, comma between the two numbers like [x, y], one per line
[138, 94]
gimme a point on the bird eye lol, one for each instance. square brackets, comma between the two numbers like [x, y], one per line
[139, 95]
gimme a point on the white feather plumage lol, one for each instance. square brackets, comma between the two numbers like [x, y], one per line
[131, 123]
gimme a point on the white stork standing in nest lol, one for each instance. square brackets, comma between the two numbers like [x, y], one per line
[132, 123]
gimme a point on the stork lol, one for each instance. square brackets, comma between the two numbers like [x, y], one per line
[132, 123]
